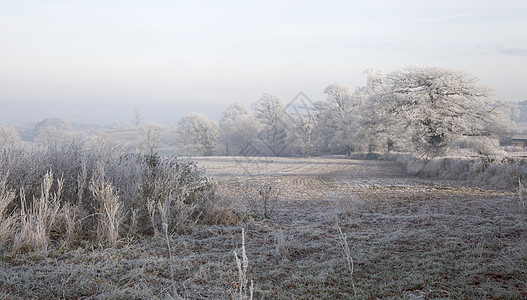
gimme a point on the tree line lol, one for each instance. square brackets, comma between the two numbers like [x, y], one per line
[429, 111]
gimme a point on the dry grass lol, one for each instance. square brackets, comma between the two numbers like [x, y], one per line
[409, 238]
[38, 217]
[7, 219]
[110, 209]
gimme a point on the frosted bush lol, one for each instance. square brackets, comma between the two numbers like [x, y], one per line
[513, 149]
[496, 171]
[103, 189]
[484, 145]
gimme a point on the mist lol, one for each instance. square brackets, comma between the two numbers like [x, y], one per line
[99, 113]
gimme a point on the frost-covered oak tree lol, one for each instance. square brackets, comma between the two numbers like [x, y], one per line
[436, 107]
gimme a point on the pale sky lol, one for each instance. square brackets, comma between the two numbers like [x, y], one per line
[172, 57]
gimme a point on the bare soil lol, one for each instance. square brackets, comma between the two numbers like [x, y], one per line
[409, 238]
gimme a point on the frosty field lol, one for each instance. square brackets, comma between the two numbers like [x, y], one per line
[408, 237]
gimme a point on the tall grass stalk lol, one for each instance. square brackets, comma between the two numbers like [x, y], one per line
[69, 215]
[164, 211]
[151, 206]
[82, 178]
[349, 259]
[520, 195]
[242, 264]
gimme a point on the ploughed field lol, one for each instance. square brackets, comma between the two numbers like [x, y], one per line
[407, 237]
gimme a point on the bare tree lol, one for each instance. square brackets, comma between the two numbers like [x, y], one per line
[238, 127]
[337, 119]
[270, 111]
[304, 126]
[150, 137]
[197, 134]
[138, 117]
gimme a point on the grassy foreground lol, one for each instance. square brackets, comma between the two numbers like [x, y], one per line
[408, 238]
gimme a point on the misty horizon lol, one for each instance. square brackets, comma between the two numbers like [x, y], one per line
[169, 59]
[107, 112]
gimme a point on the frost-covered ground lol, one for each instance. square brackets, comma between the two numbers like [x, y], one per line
[408, 237]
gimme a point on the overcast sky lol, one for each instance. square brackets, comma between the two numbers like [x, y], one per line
[168, 58]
